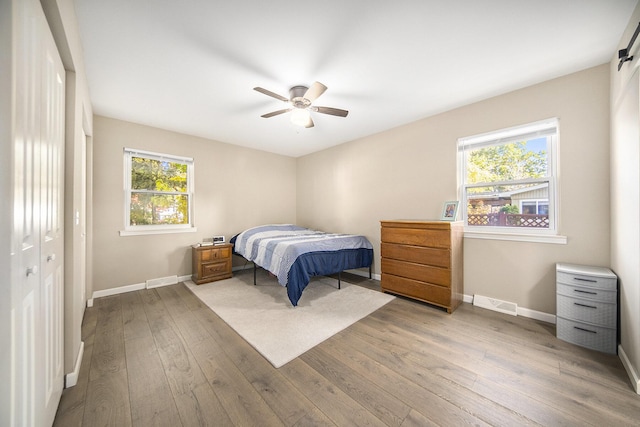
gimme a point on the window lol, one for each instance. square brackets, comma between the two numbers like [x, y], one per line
[158, 193]
[508, 180]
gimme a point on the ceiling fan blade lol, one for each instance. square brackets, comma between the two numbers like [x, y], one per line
[275, 113]
[271, 94]
[332, 111]
[315, 91]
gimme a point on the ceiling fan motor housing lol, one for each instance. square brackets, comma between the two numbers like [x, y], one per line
[296, 95]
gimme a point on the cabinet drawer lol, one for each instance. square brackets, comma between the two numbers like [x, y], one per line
[213, 253]
[215, 269]
[427, 292]
[417, 237]
[595, 294]
[420, 272]
[593, 337]
[594, 312]
[417, 254]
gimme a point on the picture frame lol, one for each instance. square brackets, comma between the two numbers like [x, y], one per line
[450, 211]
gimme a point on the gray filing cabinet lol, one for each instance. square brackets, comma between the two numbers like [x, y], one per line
[587, 307]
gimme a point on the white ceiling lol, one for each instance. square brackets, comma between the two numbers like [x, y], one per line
[190, 66]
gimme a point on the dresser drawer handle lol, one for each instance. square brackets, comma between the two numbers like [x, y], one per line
[584, 305]
[585, 330]
[585, 292]
[585, 280]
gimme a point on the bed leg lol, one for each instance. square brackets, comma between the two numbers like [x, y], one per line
[369, 272]
[338, 280]
[254, 274]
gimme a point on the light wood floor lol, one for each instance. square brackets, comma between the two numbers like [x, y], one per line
[161, 357]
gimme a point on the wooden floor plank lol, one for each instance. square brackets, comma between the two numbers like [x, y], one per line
[196, 402]
[151, 399]
[330, 399]
[387, 407]
[107, 401]
[161, 357]
[108, 351]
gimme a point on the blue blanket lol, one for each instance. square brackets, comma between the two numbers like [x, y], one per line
[294, 254]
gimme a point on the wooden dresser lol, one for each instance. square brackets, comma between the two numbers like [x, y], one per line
[423, 260]
[211, 263]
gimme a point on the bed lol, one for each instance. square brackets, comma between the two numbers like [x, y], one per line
[294, 254]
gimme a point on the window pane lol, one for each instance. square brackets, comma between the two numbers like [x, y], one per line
[498, 206]
[156, 175]
[158, 208]
[529, 207]
[543, 208]
[506, 162]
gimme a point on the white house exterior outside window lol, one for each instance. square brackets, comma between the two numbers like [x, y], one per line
[508, 181]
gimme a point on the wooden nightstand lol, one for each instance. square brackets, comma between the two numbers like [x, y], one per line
[211, 263]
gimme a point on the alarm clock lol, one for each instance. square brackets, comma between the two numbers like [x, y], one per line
[217, 240]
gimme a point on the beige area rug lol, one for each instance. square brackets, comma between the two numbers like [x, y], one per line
[265, 318]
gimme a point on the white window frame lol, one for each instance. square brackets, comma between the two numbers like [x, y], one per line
[136, 230]
[548, 127]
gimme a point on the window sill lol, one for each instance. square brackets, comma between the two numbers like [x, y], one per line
[533, 238]
[124, 233]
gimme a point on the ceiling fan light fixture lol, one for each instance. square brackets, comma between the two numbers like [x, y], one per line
[300, 117]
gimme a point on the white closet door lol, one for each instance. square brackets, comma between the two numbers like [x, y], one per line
[37, 240]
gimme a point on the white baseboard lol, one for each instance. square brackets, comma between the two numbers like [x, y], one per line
[537, 315]
[148, 284]
[634, 377]
[119, 290]
[71, 378]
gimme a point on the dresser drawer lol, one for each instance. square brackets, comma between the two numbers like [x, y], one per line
[417, 254]
[595, 294]
[420, 272]
[591, 277]
[417, 237]
[433, 294]
[593, 312]
[585, 335]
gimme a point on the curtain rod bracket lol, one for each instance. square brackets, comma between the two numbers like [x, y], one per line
[623, 54]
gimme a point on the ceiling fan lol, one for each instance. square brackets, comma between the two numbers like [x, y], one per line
[300, 104]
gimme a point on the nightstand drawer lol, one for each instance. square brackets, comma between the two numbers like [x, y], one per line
[214, 253]
[215, 268]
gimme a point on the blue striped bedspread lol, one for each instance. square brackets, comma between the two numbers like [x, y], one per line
[283, 247]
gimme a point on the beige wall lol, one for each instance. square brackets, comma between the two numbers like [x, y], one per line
[408, 172]
[235, 188]
[625, 199]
